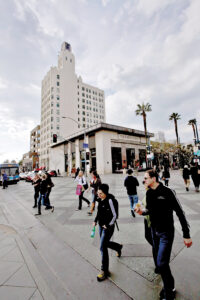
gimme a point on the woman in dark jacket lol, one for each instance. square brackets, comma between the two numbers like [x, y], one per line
[186, 177]
[166, 176]
[195, 176]
[42, 196]
[36, 184]
[106, 218]
[50, 184]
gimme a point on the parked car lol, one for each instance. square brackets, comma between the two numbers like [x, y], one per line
[53, 173]
[22, 176]
[30, 176]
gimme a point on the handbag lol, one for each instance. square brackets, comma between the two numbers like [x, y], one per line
[85, 185]
[78, 190]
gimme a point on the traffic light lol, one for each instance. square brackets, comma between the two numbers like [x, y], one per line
[148, 148]
[54, 138]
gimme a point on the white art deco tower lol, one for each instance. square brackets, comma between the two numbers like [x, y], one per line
[64, 94]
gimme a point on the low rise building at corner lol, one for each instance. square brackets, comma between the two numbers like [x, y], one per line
[104, 147]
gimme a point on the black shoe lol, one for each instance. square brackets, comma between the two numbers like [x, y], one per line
[52, 209]
[47, 207]
[156, 270]
[119, 253]
[133, 214]
[102, 276]
[169, 295]
[187, 189]
[34, 206]
[38, 214]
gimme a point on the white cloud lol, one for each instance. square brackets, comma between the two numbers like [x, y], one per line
[135, 50]
[3, 84]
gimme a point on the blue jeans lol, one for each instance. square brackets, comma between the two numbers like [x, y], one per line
[105, 243]
[133, 201]
[162, 246]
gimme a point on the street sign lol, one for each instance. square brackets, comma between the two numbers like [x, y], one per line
[85, 145]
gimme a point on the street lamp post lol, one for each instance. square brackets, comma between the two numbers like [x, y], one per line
[84, 140]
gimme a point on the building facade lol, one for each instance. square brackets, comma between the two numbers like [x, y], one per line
[104, 147]
[67, 104]
[35, 140]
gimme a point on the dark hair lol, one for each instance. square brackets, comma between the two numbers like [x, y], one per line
[94, 173]
[152, 173]
[130, 171]
[104, 188]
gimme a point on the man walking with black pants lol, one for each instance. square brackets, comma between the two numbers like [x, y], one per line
[131, 184]
[160, 204]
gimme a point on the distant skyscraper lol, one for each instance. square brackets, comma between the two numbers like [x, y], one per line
[160, 137]
[65, 95]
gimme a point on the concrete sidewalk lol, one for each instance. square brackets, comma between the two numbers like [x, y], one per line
[53, 256]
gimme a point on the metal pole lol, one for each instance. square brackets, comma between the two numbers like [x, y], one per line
[197, 133]
[84, 142]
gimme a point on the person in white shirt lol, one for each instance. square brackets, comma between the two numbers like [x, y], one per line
[81, 187]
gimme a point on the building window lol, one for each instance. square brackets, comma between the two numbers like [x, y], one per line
[58, 119]
[70, 60]
[83, 113]
[83, 119]
[57, 83]
[58, 105]
[58, 98]
[78, 105]
[83, 100]
[51, 96]
[58, 76]
[83, 89]
[51, 119]
[65, 57]
[58, 127]
[83, 106]
[83, 94]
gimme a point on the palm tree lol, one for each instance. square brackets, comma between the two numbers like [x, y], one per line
[193, 123]
[175, 117]
[141, 111]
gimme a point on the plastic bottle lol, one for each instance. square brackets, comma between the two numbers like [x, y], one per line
[92, 232]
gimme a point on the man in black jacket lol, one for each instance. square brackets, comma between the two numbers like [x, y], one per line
[160, 204]
[106, 217]
[131, 184]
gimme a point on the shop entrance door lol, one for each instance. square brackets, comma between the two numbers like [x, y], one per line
[116, 160]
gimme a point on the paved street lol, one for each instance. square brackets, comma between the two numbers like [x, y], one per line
[53, 257]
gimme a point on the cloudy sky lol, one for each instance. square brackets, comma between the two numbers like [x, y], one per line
[135, 50]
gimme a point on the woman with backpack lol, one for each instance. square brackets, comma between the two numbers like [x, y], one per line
[107, 214]
[80, 189]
